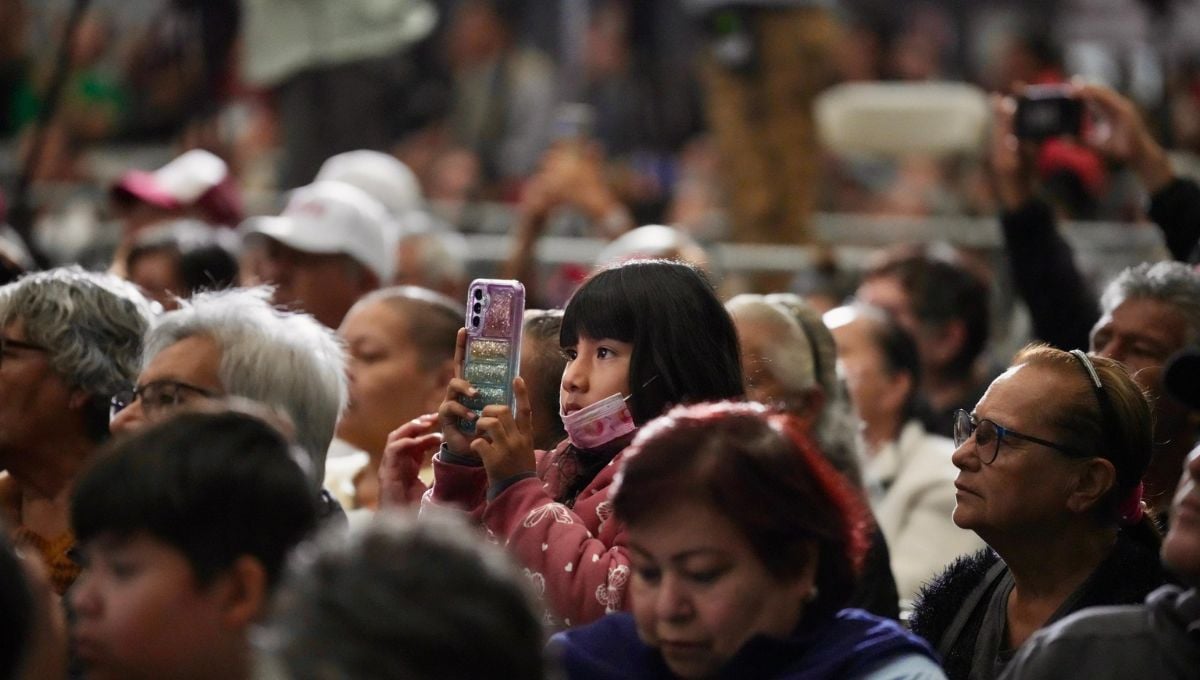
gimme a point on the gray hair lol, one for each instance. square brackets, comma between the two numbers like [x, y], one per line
[286, 360]
[1173, 283]
[802, 355]
[91, 324]
[787, 350]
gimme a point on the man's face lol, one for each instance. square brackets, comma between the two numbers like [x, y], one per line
[324, 285]
[1143, 333]
[180, 374]
[34, 400]
[1181, 547]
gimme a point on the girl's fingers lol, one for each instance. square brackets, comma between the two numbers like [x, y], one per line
[460, 351]
[416, 427]
[524, 419]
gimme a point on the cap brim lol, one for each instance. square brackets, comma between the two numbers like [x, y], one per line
[1182, 377]
[144, 187]
[285, 230]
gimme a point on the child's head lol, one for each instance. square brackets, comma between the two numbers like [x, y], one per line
[681, 342]
[402, 598]
[183, 529]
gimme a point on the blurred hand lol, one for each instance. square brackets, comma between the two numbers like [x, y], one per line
[1120, 133]
[1009, 159]
[407, 446]
[573, 176]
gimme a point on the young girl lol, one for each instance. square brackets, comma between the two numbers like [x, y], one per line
[638, 337]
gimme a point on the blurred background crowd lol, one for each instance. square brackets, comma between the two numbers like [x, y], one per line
[470, 94]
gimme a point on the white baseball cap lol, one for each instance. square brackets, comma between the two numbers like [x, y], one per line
[381, 175]
[332, 217]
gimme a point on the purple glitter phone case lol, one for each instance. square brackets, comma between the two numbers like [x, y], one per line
[495, 311]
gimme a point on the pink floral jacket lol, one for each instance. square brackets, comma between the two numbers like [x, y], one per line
[575, 557]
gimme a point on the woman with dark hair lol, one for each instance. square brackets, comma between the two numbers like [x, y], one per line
[1050, 477]
[746, 544]
[638, 338]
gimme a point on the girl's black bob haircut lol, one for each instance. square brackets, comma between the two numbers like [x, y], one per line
[685, 347]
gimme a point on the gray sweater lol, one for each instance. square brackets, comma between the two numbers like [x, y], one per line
[1159, 639]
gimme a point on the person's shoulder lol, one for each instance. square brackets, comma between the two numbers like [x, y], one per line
[608, 648]
[940, 599]
[910, 666]
[1091, 642]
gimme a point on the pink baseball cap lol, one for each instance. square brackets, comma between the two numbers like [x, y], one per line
[196, 179]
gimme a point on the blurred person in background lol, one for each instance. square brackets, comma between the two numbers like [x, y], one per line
[428, 252]
[944, 307]
[745, 546]
[196, 185]
[433, 258]
[327, 249]
[179, 259]
[233, 343]
[542, 364]
[787, 364]
[1050, 477]
[184, 530]
[1158, 638]
[398, 598]
[504, 94]
[70, 340]
[382, 176]
[764, 65]
[570, 181]
[355, 74]
[400, 349]
[33, 641]
[907, 471]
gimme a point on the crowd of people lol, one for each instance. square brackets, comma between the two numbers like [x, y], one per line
[243, 445]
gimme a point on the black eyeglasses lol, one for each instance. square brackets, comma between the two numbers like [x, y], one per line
[9, 344]
[156, 397]
[988, 433]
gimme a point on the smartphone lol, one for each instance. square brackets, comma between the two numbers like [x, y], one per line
[1045, 111]
[495, 310]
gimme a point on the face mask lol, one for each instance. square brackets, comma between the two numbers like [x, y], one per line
[599, 423]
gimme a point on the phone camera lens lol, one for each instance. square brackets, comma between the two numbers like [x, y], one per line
[478, 307]
[478, 293]
[475, 321]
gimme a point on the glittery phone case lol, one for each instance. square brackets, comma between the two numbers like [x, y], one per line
[495, 312]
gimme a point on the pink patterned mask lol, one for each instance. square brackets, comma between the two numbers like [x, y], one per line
[599, 423]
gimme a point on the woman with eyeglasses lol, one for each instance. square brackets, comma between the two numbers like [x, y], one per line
[1050, 466]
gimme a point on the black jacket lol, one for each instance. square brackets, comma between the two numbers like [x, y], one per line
[1129, 573]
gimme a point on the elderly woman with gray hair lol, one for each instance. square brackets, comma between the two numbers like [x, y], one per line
[69, 340]
[789, 362]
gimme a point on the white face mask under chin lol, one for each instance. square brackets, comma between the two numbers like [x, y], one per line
[599, 423]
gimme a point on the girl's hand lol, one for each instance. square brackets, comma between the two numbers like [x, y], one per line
[506, 443]
[450, 412]
[407, 446]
